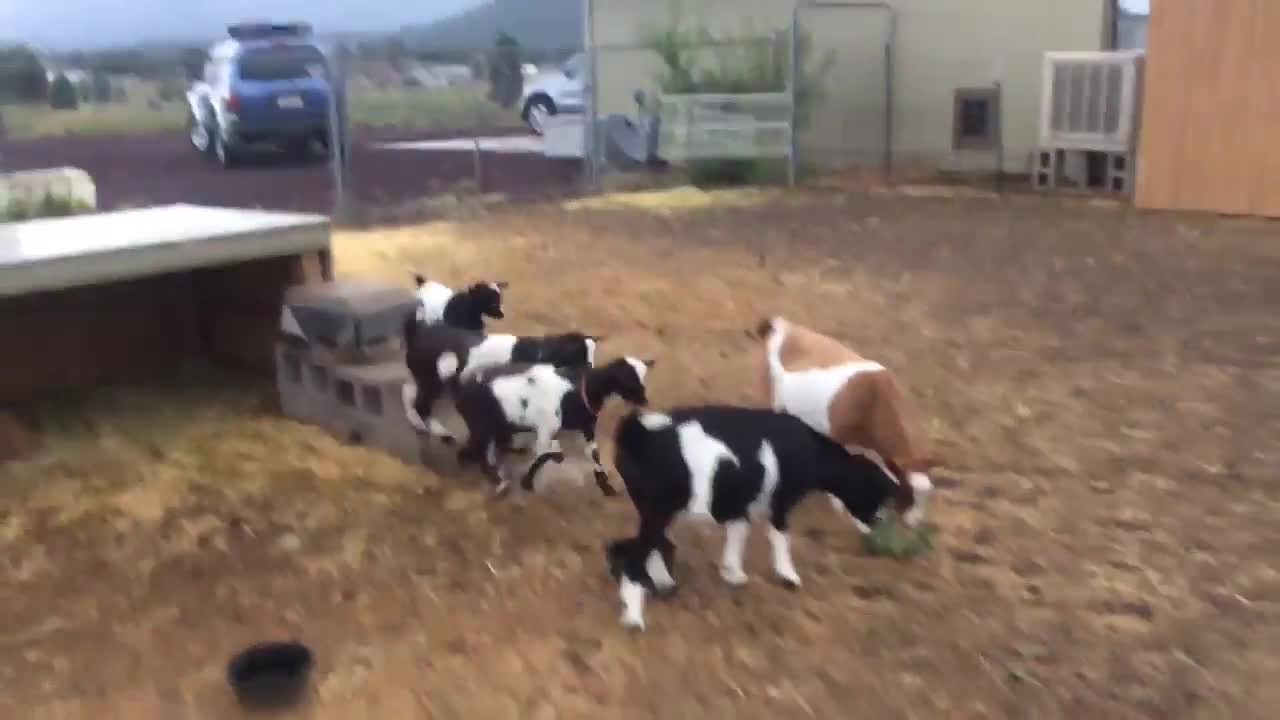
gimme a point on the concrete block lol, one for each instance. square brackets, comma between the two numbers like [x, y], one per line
[348, 320]
[360, 403]
[1045, 176]
[31, 186]
[363, 403]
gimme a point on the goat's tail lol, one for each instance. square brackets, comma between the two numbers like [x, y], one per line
[774, 332]
[419, 279]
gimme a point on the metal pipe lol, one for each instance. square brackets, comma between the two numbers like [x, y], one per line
[337, 140]
[793, 81]
[590, 85]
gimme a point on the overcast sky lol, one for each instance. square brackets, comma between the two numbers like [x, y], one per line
[66, 24]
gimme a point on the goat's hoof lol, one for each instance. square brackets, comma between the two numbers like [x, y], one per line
[734, 577]
[607, 490]
[448, 440]
[634, 623]
[556, 456]
[665, 592]
[501, 488]
[790, 583]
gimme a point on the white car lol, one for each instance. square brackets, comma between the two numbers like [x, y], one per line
[554, 92]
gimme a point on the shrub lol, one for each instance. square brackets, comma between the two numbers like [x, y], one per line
[506, 82]
[101, 87]
[172, 87]
[757, 64]
[22, 76]
[62, 94]
[48, 206]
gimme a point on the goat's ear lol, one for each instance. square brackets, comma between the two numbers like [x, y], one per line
[763, 328]
[419, 279]
[649, 362]
[597, 338]
[502, 284]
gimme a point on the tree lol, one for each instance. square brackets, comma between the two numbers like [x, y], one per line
[506, 82]
[62, 94]
[101, 84]
[22, 75]
[192, 61]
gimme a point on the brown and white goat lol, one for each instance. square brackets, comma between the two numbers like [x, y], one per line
[849, 398]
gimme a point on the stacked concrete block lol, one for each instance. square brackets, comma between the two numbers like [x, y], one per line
[341, 365]
[1059, 167]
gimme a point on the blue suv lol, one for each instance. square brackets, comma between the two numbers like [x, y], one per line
[265, 84]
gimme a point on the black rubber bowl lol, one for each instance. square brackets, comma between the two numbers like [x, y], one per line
[270, 675]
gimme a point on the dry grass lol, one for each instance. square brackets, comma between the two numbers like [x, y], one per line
[25, 122]
[1104, 383]
[432, 110]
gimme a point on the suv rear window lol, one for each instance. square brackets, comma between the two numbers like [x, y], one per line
[281, 62]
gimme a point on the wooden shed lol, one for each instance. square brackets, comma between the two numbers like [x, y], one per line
[1210, 136]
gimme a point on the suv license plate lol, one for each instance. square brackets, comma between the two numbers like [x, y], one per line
[289, 101]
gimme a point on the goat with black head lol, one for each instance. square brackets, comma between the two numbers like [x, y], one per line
[502, 401]
[729, 465]
[439, 356]
[465, 309]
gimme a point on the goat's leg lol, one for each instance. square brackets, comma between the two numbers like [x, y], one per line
[780, 543]
[735, 546]
[418, 403]
[593, 452]
[660, 564]
[636, 580]
[632, 593]
[525, 446]
[543, 446]
[493, 469]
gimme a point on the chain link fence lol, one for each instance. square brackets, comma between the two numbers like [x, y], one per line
[432, 124]
[743, 94]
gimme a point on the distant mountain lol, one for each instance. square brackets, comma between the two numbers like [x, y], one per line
[537, 24]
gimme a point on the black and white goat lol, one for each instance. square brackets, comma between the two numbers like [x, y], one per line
[728, 464]
[439, 304]
[440, 356]
[499, 402]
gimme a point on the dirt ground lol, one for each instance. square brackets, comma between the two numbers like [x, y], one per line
[1104, 383]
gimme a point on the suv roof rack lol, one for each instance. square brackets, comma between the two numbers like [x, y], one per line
[260, 30]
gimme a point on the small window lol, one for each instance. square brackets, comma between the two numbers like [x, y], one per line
[320, 378]
[371, 399]
[976, 120]
[347, 393]
[293, 368]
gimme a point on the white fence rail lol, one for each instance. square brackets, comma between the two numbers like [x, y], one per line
[719, 126]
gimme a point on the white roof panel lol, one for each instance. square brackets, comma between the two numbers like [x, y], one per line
[58, 253]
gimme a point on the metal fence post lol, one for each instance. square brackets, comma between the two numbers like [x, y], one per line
[338, 132]
[793, 80]
[590, 83]
[888, 111]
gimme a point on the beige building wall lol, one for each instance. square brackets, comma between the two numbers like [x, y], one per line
[940, 46]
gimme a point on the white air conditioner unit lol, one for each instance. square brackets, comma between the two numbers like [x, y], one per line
[1090, 100]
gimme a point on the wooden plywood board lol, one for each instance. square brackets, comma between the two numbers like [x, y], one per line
[1265, 115]
[1208, 139]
